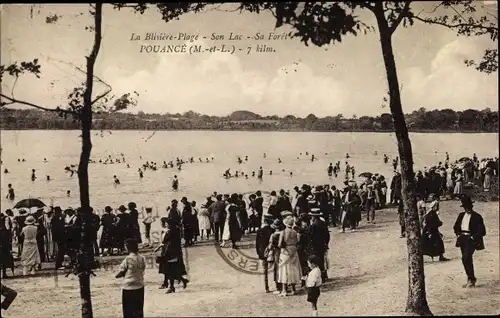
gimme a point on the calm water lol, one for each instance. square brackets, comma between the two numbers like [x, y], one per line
[62, 148]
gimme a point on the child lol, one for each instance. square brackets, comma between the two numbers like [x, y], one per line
[132, 269]
[148, 220]
[313, 281]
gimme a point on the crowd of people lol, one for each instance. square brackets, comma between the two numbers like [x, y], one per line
[292, 230]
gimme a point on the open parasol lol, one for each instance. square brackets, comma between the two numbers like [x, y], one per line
[366, 175]
[29, 203]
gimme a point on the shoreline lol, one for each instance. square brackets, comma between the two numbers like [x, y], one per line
[420, 131]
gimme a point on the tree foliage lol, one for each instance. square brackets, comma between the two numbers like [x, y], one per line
[421, 120]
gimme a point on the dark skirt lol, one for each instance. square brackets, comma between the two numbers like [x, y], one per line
[107, 240]
[172, 270]
[147, 228]
[313, 294]
[432, 243]
[133, 303]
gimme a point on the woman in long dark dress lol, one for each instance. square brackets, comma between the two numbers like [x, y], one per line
[171, 260]
[243, 213]
[432, 241]
[232, 228]
[107, 241]
[187, 222]
[305, 248]
[135, 229]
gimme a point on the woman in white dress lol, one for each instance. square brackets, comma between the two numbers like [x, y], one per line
[30, 257]
[289, 271]
[458, 185]
[204, 222]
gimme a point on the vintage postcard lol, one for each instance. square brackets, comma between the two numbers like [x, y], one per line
[250, 159]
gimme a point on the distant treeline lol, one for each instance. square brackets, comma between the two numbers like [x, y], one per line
[446, 120]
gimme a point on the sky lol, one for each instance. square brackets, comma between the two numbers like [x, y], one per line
[344, 78]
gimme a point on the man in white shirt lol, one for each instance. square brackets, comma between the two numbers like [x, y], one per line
[132, 270]
[469, 229]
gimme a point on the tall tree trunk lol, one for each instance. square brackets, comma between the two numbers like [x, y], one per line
[86, 261]
[417, 301]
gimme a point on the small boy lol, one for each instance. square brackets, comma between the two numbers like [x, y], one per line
[313, 281]
[132, 269]
[148, 220]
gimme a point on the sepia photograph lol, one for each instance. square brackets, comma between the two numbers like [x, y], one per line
[249, 159]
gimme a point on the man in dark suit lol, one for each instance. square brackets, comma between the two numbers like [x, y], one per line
[469, 229]
[319, 236]
[396, 188]
[261, 243]
[258, 205]
[217, 214]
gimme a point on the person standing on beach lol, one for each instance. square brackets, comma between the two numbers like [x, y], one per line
[148, 220]
[134, 222]
[319, 238]
[313, 282]
[132, 270]
[6, 259]
[470, 230]
[261, 245]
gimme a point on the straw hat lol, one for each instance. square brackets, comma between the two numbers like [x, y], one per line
[30, 220]
[122, 208]
[315, 212]
[285, 214]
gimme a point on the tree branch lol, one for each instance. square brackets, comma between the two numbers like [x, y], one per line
[478, 26]
[99, 97]
[17, 101]
[402, 15]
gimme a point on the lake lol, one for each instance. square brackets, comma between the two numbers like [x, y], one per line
[62, 148]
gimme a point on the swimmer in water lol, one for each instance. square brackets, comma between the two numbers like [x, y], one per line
[10, 193]
[48, 178]
[68, 193]
[33, 176]
[117, 181]
[175, 183]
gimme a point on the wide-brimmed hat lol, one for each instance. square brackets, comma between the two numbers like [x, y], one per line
[122, 208]
[285, 214]
[108, 209]
[276, 224]
[132, 205]
[30, 220]
[268, 216]
[69, 210]
[466, 201]
[315, 212]
[288, 221]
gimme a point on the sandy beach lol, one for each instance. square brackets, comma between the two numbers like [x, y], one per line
[368, 271]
